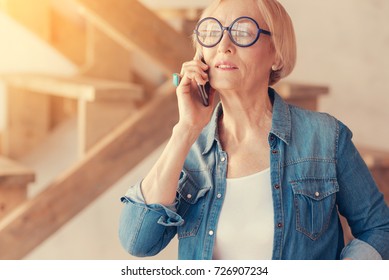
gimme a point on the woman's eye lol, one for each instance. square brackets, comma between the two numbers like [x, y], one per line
[240, 33]
[214, 33]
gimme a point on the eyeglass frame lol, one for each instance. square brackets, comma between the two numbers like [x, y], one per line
[228, 29]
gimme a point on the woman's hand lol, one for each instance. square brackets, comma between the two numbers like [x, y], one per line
[193, 114]
[160, 184]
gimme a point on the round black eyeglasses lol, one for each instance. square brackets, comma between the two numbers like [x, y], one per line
[243, 32]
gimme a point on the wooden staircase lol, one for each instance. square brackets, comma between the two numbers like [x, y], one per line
[138, 121]
[122, 115]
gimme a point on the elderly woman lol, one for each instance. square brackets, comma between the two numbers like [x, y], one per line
[254, 178]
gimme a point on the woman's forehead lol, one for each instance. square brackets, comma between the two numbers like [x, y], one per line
[227, 11]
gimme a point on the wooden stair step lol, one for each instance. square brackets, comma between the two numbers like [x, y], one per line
[88, 89]
[100, 105]
[14, 179]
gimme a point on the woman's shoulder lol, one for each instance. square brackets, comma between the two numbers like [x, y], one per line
[312, 118]
[316, 125]
[323, 120]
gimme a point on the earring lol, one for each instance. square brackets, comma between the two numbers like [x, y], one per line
[274, 68]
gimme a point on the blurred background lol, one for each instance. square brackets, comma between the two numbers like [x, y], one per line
[86, 105]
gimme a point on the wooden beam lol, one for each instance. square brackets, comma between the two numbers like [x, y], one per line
[35, 220]
[133, 25]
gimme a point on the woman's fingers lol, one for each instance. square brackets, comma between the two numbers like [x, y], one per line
[196, 64]
[195, 70]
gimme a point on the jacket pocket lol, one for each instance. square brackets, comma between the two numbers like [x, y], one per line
[191, 206]
[314, 201]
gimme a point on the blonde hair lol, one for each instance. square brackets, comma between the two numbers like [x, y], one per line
[283, 37]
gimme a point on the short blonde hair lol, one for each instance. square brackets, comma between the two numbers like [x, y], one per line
[283, 37]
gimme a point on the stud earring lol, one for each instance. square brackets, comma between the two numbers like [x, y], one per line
[274, 68]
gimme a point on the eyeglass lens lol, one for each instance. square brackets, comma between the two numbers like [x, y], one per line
[243, 32]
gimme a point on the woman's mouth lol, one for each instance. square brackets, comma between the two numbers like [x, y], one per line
[226, 66]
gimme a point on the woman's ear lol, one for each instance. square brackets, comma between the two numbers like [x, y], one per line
[277, 64]
[277, 61]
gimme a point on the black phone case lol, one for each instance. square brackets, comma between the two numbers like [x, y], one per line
[204, 90]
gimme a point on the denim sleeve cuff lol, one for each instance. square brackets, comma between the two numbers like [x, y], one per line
[167, 217]
[136, 195]
[360, 250]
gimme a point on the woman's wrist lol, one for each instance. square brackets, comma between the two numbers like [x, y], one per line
[187, 132]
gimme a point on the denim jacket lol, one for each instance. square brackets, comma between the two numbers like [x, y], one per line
[316, 172]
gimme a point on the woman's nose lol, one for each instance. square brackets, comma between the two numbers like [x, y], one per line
[226, 45]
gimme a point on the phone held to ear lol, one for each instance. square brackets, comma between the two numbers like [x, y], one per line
[204, 90]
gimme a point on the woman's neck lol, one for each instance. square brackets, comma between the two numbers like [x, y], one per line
[244, 114]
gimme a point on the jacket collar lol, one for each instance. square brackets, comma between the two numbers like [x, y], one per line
[281, 122]
[211, 131]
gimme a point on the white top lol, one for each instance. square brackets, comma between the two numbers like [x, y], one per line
[246, 224]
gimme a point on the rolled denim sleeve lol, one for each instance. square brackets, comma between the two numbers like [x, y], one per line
[359, 250]
[136, 195]
[146, 229]
[360, 201]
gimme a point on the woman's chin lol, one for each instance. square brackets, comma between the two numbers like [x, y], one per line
[224, 86]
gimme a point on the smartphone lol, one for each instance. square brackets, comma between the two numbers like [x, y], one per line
[204, 90]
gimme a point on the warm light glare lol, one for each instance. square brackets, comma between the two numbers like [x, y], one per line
[3, 4]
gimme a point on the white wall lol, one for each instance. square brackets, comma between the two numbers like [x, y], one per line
[345, 44]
